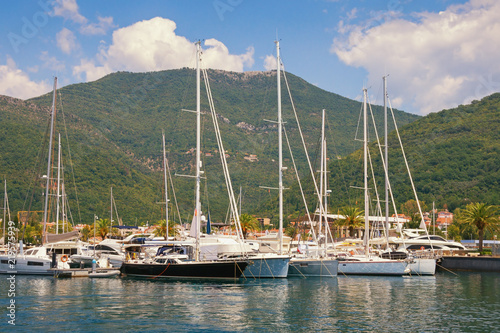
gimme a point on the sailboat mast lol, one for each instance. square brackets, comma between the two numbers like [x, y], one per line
[111, 209]
[58, 183]
[166, 186]
[198, 153]
[365, 167]
[280, 149]
[4, 208]
[321, 172]
[325, 180]
[386, 146]
[46, 208]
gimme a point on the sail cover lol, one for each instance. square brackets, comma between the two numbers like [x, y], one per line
[52, 238]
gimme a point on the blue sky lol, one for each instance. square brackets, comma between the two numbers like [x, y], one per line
[438, 54]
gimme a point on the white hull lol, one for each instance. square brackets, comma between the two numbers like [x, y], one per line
[308, 267]
[423, 266]
[267, 266]
[25, 265]
[373, 267]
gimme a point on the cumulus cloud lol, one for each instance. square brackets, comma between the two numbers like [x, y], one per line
[100, 28]
[153, 45]
[51, 62]
[15, 83]
[435, 61]
[66, 41]
[68, 9]
[269, 62]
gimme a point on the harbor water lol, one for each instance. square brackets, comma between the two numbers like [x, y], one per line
[465, 302]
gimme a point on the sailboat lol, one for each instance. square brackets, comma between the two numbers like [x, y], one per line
[422, 262]
[54, 252]
[368, 264]
[187, 264]
[299, 266]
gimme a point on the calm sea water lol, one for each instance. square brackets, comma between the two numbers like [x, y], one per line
[467, 302]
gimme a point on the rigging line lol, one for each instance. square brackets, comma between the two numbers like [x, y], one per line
[70, 158]
[173, 191]
[339, 164]
[303, 142]
[409, 172]
[37, 170]
[384, 164]
[378, 209]
[300, 185]
[223, 156]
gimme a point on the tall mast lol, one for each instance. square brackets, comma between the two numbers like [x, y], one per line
[280, 149]
[325, 181]
[321, 171]
[198, 153]
[58, 183]
[386, 145]
[111, 209]
[365, 167]
[166, 187]
[46, 208]
[4, 209]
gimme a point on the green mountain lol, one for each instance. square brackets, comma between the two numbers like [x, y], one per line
[113, 128]
[453, 155]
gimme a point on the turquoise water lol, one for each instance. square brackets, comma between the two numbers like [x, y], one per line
[468, 302]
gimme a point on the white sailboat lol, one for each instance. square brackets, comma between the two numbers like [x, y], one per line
[422, 262]
[299, 265]
[168, 264]
[369, 264]
[55, 250]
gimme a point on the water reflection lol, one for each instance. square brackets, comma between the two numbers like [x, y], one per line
[445, 302]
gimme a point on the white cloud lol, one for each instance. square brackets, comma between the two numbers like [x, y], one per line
[438, 61]
[269, 62]
[66, 41]
[15, 83]
[100, 28]
[51, 62]
[69, 10]
[153, 45]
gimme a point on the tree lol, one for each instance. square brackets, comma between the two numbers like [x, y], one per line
[291, 232]
[248, 223]
[160, 229]
[102, 227]
[353, 218]
[86, 232]
[482, 216]
[410, 209]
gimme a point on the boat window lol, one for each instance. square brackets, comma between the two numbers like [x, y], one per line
[4, 261]
[29, 252]
[35, 263]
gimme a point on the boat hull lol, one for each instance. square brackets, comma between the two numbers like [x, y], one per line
[267, 267]
[26, 266]
[189, 269]
[313, 267]
[423, 266]
[375, 267]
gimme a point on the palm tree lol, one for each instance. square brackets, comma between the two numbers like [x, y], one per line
[86, 232]
[248, 223]
[102, 228]
[352, 218]
[481, 216]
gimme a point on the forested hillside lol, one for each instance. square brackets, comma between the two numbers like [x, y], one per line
[113, 127]
[453, 155]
